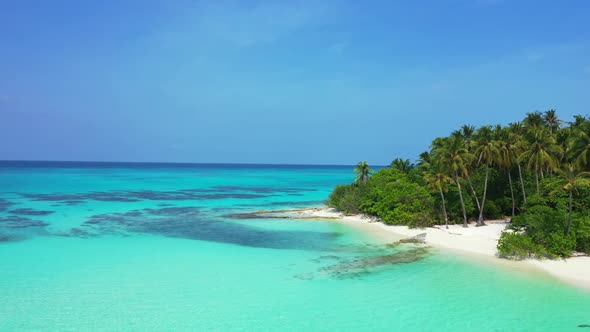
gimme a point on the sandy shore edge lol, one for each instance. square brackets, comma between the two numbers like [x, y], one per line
[478, 242]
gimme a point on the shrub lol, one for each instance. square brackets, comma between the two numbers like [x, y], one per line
[519, 246]
[390, 195]
[541, 220]
[454, 206]
[347, 199]
[492, 211]
[398, 201]
[421, 220]
[336, 196]
[561, 245]
[582, 230]
[545, 227]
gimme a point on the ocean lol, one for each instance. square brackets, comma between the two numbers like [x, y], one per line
[168, 247]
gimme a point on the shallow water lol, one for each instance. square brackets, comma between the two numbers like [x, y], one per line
[147, 247]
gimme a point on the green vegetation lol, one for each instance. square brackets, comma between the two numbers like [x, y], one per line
[388, 194]
[363, 171]
[535, 171]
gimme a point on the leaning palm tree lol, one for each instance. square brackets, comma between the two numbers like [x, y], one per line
[363, 171]
[542, 153]
[508, 149]
[438, 180]
[451, 153]
[487, 154]
[517, 133]
[467, 132]
[571, 179]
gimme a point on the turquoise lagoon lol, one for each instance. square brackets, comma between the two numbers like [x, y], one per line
[91, 246]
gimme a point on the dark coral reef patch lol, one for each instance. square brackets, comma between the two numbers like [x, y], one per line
[367, 263]
[136, 196]
[20, 222]
[17, 228]
[219, 192]
[192, 223]
[30, 212]
[5, 205]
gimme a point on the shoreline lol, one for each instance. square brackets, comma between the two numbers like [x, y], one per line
[472, 242]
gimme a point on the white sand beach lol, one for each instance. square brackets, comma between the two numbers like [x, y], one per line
[480, 241]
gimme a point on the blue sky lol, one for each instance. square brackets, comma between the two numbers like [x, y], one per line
[315, 82]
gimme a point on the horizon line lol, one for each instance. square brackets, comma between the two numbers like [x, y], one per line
[173, 163]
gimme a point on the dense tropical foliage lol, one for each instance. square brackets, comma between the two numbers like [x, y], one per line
[363, 171]
[535, 171]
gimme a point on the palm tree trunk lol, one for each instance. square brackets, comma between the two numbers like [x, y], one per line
[511, 193]
[569, 222]
[537, 179]
[442, 196]
[461, 197]
[473, 192]
[483, 200]
[522, 184]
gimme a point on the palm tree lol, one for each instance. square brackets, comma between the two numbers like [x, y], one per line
[403, 165]
[467, 132]
[423, 163]
[551, 120]
[541, 153]
[534, 120]
[451, 153]
[572, 179]
[487, 154]
[580, 143]
[578, 120]
[363, 171]
[438, 181]
[507, 144]
[564, 138]
[517, 132]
